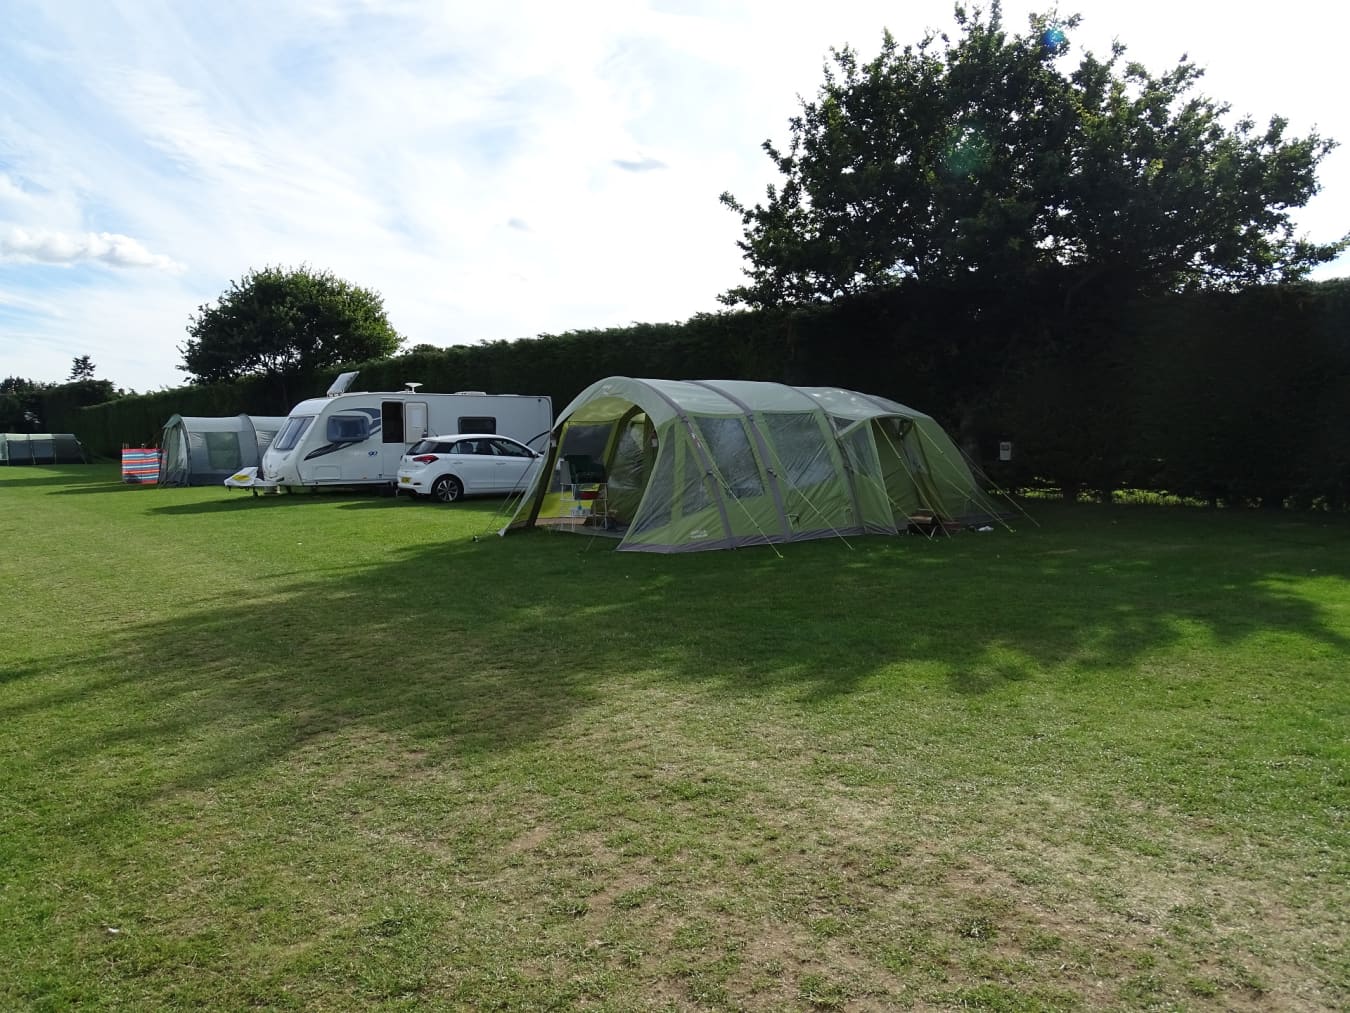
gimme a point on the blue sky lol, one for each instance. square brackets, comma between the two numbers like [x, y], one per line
[493, 170]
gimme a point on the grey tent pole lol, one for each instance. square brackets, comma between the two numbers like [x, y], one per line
[881, 484]
[807, 499]
[683, 416]
[717, 474]
[768, 452]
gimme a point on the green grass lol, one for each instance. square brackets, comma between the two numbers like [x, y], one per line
[326, 752]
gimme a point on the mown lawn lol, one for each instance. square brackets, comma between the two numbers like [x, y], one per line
[332, 753]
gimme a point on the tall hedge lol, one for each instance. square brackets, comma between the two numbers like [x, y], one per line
[1237, 398]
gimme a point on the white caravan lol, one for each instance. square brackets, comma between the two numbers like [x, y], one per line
[360, 438]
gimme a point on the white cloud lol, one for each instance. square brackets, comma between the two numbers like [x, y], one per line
[60, 248]
[643, 164]
[13, 195]
[175, 119]
[489, 168]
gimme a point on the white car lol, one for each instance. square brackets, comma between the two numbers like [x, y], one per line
[447, 468]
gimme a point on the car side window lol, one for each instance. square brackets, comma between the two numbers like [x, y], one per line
[445, 448]
[506, 449]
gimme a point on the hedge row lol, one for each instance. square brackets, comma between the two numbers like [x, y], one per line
[1237, 398]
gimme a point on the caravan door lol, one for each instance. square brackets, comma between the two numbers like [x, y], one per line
[402, 423]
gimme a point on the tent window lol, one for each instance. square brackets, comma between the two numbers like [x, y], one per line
[729, 446]
[802, 453]
[222, 451]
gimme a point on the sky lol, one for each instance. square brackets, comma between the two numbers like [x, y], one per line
[494, 171]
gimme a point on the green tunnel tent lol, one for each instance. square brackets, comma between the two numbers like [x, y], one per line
[206, 451]
[681, 466]
[41, 448]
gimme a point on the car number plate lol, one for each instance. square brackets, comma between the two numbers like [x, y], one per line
[405, 479]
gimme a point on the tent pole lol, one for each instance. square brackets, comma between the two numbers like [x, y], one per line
[806, 499]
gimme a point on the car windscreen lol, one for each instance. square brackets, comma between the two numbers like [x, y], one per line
[292, 431]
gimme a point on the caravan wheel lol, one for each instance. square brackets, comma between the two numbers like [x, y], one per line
[447, 489]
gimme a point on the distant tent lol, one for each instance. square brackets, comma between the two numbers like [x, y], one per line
[41, 448]
[681, 466]
[206, 451]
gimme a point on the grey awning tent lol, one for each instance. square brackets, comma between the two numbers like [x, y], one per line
[41, 448]
[206, 451]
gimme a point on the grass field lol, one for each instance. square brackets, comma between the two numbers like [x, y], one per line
[331, 753]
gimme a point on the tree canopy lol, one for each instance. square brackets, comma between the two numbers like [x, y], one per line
[279, 320]
[981, 161]
[20, 404]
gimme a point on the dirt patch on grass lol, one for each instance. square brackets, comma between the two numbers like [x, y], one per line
[527, 841]
[1193, 917]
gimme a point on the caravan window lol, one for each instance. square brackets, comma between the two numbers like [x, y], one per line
[477, 424]
[348, 428]
[391, 419]
[292, 431]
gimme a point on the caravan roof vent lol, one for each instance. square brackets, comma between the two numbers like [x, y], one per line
[483, 392]
[341, 384]
[411, 385]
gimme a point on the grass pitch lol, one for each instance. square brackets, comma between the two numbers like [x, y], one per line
[329, 752]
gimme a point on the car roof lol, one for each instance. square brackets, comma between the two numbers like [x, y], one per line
[471, 436]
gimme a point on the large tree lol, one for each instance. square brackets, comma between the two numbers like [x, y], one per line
[279, 320]
[982, 164]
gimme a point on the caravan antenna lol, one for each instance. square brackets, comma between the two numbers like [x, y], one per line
[411, 385]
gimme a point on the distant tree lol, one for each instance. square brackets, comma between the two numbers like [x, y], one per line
[20, 405]
[82, 368]
[280, 321]
[978, 164]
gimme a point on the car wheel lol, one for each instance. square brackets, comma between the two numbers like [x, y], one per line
[447, 489]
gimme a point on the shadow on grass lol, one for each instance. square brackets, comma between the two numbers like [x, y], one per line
[64, 477]
[228, 503]
[476, 647]
[358, 499]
